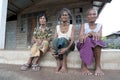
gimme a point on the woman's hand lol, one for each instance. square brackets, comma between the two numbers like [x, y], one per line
[95, 36]
[48, 39]
[62, 51]
[38, 41]
[83, 38]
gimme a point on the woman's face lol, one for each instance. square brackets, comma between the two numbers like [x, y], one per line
[42, 20]
[92, 16]
[64, 17]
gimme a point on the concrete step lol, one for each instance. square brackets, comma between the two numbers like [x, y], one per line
[110, 59]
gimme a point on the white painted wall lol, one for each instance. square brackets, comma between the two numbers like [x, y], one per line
[3, 12]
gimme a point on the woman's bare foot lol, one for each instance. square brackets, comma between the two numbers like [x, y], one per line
[85, 71]
[98, 72]
[63, 69]
[57, 68]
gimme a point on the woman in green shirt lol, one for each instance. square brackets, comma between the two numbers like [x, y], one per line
[41, 39]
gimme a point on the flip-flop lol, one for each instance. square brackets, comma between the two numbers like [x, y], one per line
[24, 67]
[35, 67]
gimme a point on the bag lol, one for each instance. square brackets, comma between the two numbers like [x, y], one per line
[72, 46]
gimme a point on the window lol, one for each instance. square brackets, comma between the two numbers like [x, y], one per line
[78, 19]
[78, 16]
[23, 25]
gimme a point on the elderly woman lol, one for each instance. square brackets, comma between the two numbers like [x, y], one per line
[63, 40]
[90, 43]
[41, 39]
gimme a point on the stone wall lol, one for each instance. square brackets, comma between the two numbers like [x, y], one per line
[110, 59]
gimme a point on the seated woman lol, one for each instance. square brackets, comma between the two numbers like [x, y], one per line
[63, 39]
[90, 43]
[41, 38]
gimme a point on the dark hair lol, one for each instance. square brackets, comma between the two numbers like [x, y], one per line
[62, 11]
[40, 15]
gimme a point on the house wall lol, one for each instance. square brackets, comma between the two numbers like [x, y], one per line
[10, 42]
[21, 35]
[16, 38]
[26, 24]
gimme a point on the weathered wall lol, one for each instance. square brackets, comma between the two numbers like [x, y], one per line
[24, 25]
[10, 35]
[21, 35]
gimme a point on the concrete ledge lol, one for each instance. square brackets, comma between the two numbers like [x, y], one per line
[110, 59]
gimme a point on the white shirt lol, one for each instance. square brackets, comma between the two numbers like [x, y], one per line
[66, 35]
[87, 28]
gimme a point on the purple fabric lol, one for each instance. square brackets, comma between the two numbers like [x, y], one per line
[85, 49]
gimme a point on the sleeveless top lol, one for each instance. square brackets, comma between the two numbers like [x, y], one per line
[66, 35]
[87, 28]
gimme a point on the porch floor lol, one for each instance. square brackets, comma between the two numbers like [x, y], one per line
[13, 72]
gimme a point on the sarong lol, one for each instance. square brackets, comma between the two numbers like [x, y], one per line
[85, 49]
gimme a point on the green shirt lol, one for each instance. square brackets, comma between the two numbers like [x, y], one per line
[38, 34]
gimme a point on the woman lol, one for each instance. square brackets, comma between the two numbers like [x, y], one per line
[63, 39]
[41, 39]
[90, 43]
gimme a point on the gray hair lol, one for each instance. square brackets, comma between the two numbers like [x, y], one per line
[90, 10]
[62, 11]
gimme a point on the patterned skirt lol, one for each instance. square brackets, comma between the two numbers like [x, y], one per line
[38, 50]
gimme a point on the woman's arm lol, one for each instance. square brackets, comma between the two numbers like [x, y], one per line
[81, 31]
[55, 34]
[72, 37]
[82, 36]
[49, 35]
[99, 34]
[34, 39]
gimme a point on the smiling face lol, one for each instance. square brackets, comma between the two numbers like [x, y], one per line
[92, 15]
[42, 20]
[64, 16]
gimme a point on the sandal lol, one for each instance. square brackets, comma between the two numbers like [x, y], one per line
[24, 67]
[35, 67]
